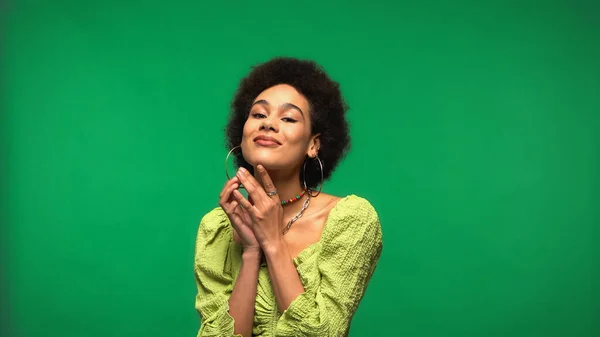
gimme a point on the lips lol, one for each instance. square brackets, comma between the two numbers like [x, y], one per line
[266, 141]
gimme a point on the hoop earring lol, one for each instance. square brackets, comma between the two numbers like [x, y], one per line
[304, 178]
[227, 159]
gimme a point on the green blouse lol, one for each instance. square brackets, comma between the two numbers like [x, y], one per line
[334, 271]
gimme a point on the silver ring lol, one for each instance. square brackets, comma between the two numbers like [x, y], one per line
[272, 193]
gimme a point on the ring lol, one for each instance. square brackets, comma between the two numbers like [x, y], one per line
[272, 193]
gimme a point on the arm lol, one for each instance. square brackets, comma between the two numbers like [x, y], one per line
[240, 303]
[284, 276]
[243, 296]
[215, 276]
[266, 214]
[351, 248]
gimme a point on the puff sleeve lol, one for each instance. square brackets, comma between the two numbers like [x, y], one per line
[352, 245]
[214, 278]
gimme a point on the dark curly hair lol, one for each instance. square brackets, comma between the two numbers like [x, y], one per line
[327, 110]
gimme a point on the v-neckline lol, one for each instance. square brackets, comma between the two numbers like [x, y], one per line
[310, 247]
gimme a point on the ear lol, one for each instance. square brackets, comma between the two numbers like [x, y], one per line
[314, 145]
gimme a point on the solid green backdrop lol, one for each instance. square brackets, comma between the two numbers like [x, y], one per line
[475, 135]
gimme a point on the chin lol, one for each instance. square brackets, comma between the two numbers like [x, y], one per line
[268, 162]
[268, 159]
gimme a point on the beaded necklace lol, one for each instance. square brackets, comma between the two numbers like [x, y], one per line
[296, 198]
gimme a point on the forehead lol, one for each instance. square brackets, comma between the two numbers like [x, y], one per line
[281, 94]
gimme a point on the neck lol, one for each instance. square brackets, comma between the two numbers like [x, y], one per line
[288, 186]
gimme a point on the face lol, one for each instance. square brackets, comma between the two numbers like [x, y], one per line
[277, 132]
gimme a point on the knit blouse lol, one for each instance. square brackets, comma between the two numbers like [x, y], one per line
[334, 271]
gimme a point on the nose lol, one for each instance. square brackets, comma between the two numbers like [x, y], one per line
[268, 124]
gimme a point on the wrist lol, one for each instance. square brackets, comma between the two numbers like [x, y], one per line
[251, 253]
[274, 248]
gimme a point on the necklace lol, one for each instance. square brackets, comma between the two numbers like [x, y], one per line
[298, 216]
[297, 197]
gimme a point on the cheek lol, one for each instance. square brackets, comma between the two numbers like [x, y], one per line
[247, 128]
[297, 136]
[301, 132]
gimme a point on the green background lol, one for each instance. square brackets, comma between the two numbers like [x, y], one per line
[475, 135]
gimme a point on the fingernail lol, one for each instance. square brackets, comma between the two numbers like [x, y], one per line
[242, 170]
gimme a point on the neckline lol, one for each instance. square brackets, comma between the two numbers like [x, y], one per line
[310, 247]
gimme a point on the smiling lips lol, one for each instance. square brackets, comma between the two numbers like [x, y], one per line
[266, 141]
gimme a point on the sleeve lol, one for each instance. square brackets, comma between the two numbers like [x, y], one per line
[214, 278]
[350, 252]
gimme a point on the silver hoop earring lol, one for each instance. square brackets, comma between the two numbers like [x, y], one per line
[227, 160]
[304, 178]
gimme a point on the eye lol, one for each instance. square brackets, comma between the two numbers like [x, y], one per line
[289, 120]
[258, 115]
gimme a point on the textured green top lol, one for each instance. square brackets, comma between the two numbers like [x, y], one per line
[334, 271]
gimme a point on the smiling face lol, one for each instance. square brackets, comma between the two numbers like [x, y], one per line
[277, 133]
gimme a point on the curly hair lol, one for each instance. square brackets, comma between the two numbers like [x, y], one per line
[327, 110]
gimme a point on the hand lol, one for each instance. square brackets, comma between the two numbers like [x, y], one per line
[238, 216]
[265, 211]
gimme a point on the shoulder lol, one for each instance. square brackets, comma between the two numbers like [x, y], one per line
[353, 216]
[355, 205]
[212, 243]
[356, 209]
[213, 225]
[352, 232]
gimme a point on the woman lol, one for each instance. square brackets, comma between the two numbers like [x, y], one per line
[288, 260]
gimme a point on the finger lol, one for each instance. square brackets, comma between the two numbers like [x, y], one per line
[234, 180]
[255, 191]
[243, 202]
[241, 214]
[225, 200]
[234, 207]
[267, 183]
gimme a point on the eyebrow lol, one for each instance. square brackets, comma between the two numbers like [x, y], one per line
[284, 105]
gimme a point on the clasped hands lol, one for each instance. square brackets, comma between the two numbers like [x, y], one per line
[256, 220]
